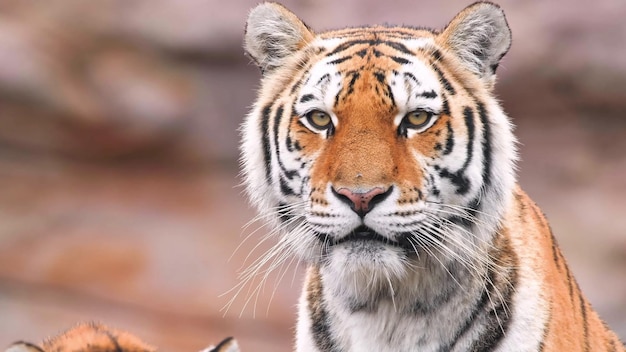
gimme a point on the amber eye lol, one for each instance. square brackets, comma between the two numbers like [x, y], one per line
[417, 118]
[319, 119]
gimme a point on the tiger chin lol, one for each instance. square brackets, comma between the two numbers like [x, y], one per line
[385, 162]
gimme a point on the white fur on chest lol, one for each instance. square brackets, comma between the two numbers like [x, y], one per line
[386, 330]
[388, 326]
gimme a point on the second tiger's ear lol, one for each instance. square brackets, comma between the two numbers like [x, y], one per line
[479, 36]
[229, 344]
[22, 346]
[274, 33]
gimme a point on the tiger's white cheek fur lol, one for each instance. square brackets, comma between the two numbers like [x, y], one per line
[264, 134]
[253, 165]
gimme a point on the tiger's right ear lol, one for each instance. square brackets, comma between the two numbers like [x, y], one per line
[479, 36]
[272, 34]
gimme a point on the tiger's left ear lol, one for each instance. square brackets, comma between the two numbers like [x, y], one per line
[273, 34]
[480, 36]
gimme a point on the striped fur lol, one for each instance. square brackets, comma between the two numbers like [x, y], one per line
[93, 337]
[383, 160]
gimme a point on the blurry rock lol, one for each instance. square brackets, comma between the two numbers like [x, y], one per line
[68, 89]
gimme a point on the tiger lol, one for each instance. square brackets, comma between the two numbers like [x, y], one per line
[97, 337]
[382, 159]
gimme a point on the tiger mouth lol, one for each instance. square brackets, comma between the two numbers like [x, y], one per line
[364, 233]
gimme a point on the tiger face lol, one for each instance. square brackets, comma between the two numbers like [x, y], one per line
[379, 149]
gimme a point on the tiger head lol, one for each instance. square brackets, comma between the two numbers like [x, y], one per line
[375, 148]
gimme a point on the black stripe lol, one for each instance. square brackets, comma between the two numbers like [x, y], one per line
[486, 144]
[27, 344]
[445, 109]
[340, 60]
[498, 315]
[458, 178]
[355, 76]
[400, 60]
[614, 341]
[612, 346]
[290, 174]
[295, 87]
[444, 81]
[291, 144]
[429, 95]
[389, 94]
[555, 252]
[320, 322]
[442, 298]
[449, 139]
[570, 283]
[307, 97]
[404, 32]
[284, 187]
[398, 46]
[436, 55]
[348, 44]
[339, 93]
[494, 67]
[325, 77]
[498, 322]
[371, 42]
[114, 341]
[283, 212]
[267, 152]
[222, 344]
[468, 115]
[585, 321]
[277, 118]
[461, 182]
[380, 76]
[467, 220]
[479, 307]
[556, 257]
[299, 82]
[412, 77]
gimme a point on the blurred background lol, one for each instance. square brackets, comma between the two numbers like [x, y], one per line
[118, 158]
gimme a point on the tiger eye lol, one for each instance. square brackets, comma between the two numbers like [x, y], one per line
[319, 119]
[418, 118]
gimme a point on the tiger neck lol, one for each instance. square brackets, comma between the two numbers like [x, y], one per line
[429, 307]
[427, 286]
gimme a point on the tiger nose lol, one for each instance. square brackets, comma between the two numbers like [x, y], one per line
[362, 202]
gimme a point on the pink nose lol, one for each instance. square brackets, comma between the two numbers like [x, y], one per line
[362, 202]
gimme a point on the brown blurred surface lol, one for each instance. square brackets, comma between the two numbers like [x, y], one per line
[118, 145]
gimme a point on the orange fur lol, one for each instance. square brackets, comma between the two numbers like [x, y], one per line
[88, 337]
[570, 314]
[95, 337]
